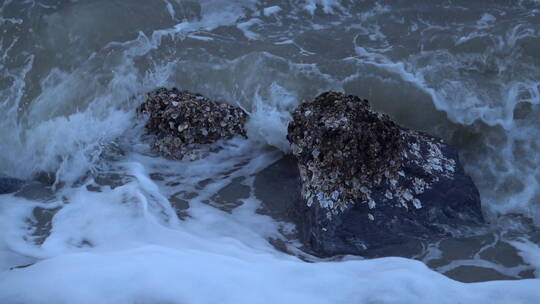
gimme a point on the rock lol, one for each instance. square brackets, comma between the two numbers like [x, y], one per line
[276, 187]
[369, 183]
[10, 185]
[183, 122]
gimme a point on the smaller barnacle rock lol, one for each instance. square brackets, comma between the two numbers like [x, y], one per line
[375, 182]
[184, 123]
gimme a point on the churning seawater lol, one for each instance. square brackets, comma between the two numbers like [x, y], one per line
[104, 220]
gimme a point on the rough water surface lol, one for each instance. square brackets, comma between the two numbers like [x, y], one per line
[102, 218]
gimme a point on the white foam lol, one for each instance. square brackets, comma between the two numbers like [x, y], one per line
[530, 252]
[486, 21]
[269, 119]
[271, 10]
[153, 273]
[135, 256]
[203, 38]
[328, 6]
[170, 9]
[244, 27]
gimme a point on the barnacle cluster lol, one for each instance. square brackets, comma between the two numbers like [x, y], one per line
[349, 154]
[424, 155]
[183, 122]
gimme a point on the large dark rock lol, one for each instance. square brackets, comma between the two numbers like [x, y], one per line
[183, 122]
[369, 183]
[10, 185]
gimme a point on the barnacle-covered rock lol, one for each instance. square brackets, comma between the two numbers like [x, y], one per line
[184, 122]
[367, 182]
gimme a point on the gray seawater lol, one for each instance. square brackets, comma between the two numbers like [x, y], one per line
[72, 73]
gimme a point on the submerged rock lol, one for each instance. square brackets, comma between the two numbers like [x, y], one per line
[183, 122]
[10, 185]
[368, 183]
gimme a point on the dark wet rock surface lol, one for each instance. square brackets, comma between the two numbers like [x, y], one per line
[183, 122]
[369, 183]
[10, 185]
[278, 188]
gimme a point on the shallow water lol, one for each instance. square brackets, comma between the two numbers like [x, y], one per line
[101, 210]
